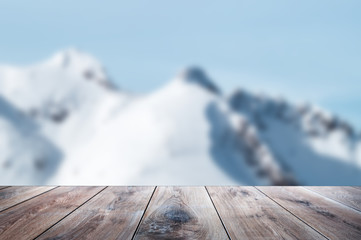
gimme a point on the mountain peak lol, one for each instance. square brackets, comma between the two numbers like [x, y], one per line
[72, 56]
[82, 64]
[197, 76]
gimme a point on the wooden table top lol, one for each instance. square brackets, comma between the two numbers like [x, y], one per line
[227, 212]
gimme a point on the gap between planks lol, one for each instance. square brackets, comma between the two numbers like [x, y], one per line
[220, 218]
[291, 213]
[25, 200]
[70, 213]
[180, 212]
[145, 210]
[333, 198]
[333, 219]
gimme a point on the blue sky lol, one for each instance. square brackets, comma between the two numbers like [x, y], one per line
[303, 50]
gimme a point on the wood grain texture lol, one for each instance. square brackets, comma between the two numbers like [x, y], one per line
[13, 195]
[181, 213]
[29, 219]
[249, 214]
[346, 195]
[112, 214]
[331, 218]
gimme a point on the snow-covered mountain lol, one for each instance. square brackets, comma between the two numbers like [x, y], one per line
[62, 121]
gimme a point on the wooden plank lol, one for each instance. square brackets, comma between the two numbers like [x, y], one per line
[181, 213]
[332, 219]
[346, 195]
[112, 214]
[2, 187]
[14, 195]
[249, 214]
[29, 219]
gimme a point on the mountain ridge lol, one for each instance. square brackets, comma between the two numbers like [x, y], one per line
[187, 126]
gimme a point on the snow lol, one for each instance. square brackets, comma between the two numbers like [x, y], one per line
[63, 122]
[53, 83]
[309, 143]
[158, 139]
[25, 157]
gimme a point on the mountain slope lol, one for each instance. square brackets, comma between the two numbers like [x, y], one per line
[26, 157]
[312, 145]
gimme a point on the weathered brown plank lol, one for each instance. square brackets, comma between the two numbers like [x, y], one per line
[332, 219]
[112, 214]
[13, 195]
[2, 187]
[29, 219]
[181, 213]
[249, 214]
[346, 195]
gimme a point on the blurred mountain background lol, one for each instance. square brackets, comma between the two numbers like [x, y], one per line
[270, 92]
[63, 121]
